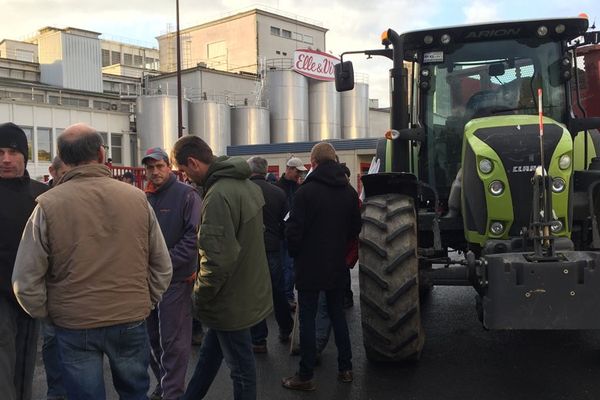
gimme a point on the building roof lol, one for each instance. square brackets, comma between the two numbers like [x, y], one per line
[291, 18]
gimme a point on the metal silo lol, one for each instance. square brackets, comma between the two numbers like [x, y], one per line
[156, 121]
[324, 111]
[355, 112]
[211, 121]
[250, 125]
[287, 95]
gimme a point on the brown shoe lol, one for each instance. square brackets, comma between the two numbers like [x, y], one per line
[295, 383]
[345, 376]
[259, 348]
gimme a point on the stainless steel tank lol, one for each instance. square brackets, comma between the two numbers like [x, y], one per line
[287, 96]
[156, 121]
[355, 112]
[250, 125]
[325, 111]
[211, 121]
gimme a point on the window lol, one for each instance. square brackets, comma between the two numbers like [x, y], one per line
[308, 39]
[105, 58]
[277, 52]
[29, 133]
[116, 148]
[284, 53]
[24, 55]
[286, 34]
[44, 144]
[115, 57]
[101, 105]
[217, 49]
[275, 31]
[138, 61]
[297, 36]
[128, 59]
[133, 148]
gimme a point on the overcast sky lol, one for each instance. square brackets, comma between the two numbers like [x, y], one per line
[352, 24]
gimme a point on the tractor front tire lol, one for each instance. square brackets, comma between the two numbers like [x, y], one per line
[389, 273]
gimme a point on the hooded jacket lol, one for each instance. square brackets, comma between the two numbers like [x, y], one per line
[324, 218]
[233, 288]
[17, 197]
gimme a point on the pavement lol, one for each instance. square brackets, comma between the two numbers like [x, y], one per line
[461, 360]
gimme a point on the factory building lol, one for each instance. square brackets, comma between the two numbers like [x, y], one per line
[274, 98]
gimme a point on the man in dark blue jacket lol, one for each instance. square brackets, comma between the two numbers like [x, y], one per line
[177, 208]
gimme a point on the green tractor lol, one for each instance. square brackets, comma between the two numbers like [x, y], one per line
[465, 168]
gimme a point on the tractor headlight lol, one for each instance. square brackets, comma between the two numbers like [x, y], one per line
[496, 188]
[564, 162]
[497, 228]
[556, 226]
[445, 39]
[558, 185]
[486, 166]
[542, 31]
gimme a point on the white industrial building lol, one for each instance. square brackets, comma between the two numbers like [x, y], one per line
[240, 92]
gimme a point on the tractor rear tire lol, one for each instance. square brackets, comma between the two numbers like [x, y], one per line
[389, 279]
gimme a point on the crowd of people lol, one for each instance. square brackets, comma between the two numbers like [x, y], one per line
[226, 251]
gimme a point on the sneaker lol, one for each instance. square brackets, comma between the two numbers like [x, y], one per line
[295, 383]
[345, 376]
[197, 338]
[348, 302]
[156, 394]
[284, 337]
[259, 348]
[293, 305]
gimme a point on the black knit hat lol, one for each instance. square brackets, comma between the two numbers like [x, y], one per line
[13, 137]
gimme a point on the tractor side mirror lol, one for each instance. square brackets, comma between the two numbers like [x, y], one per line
[497, 69]
[344, 76]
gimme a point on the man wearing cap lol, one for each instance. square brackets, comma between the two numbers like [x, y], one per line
[93, 262]
[290, 182]
[18, 331]
[177, 208]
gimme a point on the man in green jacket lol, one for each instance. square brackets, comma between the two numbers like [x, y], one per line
[233, 290]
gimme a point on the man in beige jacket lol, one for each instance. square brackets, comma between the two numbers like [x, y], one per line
[93, 262]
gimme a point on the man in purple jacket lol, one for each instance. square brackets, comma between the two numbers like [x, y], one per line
[177, 208]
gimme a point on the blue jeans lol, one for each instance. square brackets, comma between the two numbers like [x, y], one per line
[52, 363]
[283, 316]
[308, 302]
[287, 264]
[82, 353]
[236, 348]
[322, 323]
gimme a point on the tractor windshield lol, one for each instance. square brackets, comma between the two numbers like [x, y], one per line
[482, 79]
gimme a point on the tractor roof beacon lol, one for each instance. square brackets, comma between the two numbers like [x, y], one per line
[484, 156]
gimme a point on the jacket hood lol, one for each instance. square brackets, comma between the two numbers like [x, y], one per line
[227, 167]
[330, 173]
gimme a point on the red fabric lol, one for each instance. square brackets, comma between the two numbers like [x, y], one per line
[352, 248]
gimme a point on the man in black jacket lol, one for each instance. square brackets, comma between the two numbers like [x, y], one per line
[324, 218]
[274, 211]
[18, 331]
[290, 182]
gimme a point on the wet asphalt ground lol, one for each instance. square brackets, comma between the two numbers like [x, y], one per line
[460, 361]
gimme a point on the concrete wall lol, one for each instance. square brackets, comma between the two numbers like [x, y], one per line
[70, 60]
[301, 37]
[238, 42]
